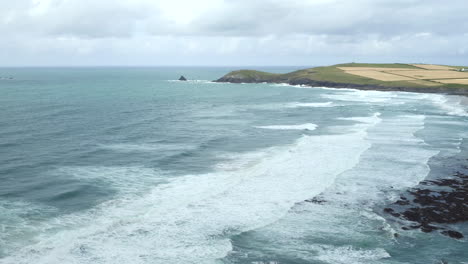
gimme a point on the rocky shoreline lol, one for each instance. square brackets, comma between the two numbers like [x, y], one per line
[433, 205]
[330, 84]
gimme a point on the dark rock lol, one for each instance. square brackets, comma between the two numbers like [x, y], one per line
[388, 210]
[428, 228]
[235, 77]
[433, 203]
[316, 200]
[452, 234]
[396, 214]
[402, 202]
[182, 78]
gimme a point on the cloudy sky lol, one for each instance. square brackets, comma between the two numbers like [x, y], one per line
[231, 32]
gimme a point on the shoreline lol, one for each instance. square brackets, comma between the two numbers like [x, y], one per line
[463, 92]
[416, 78]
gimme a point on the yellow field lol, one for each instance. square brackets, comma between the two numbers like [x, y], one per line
[433, 74]
[426, 83]
[458, 81]
[433, 67]
[374, 69]
[427, 74]
[381, 76]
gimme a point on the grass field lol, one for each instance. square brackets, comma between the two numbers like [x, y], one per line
[433, 74]
[419, 74]
[425, 83]
[414, 76]
[380, 75]
[433, 67]
[376, 69]
[459, 81]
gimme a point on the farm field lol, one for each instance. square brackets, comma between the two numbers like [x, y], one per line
[433, 67]
[433, 74]
[380, 75]
[420, 74]
[459, 81]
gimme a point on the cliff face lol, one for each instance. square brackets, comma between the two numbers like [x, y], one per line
[250, 76]
[334, 78]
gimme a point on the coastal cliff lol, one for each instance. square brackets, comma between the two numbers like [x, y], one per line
[335, 77]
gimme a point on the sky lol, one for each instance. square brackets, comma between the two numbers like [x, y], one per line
[231, 32]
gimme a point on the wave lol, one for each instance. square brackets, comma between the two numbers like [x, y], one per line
[191, 218]
[19, 219]
[123, 179]
[348, 254]
[195, 81]
[147, 147]
[343, 213]
[453, 105]
[298, 105]
[308, 126]
[362, 96]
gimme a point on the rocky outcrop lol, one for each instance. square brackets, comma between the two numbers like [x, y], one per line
[434, 204]
[250, 76]
[182, 78]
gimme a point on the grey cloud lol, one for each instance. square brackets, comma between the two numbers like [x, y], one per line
[336, 17]
[294, 32]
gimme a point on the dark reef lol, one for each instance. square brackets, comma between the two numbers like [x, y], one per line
[434, 204]
[331, 84]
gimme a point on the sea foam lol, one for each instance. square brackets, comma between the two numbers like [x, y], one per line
[451, 104]
[191, 218]
[298, 105]
[308, 126]
[343, 214]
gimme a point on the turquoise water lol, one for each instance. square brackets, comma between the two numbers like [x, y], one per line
[126, 165]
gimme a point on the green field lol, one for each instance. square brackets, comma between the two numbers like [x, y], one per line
[335, 75]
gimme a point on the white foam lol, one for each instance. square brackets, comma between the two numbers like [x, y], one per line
[291, 85]
[195, 81]
[123, 179]
[343, 213]
[147, 147]
[19, 221]
[452, 105]
[348, 254]
[362, 96]
[363, 121]
[397, 160]
[190, 218]
[298, 105]
[308, 126]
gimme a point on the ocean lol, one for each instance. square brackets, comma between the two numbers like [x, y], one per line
[129, 165]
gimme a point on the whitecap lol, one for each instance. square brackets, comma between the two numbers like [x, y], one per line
[191, 218]
[298, 105]
[307, 126]
[452, 105]
[362, 96]
[348, 254]
[147, 147]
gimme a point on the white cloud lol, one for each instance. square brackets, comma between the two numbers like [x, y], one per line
[37, 32]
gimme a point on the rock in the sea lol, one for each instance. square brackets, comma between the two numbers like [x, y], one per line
[182, 78]
[433, 203]
[453, 234]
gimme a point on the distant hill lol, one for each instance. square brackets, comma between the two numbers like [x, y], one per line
[387, 77]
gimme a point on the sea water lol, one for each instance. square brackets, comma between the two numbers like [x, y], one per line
[128, 165]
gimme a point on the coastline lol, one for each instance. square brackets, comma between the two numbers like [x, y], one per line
[329, 84]
[339, 76]
[433, 204]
